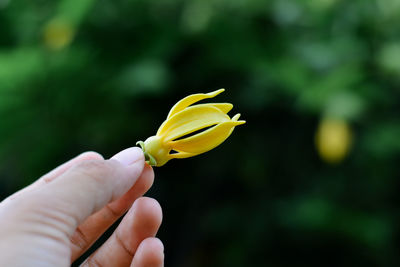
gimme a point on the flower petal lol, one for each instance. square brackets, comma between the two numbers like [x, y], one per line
[224, 107]
[207, 140]
[191, 99]
[236, 117]
[190, 120]
[181, 155]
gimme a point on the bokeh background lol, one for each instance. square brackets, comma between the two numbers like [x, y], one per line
[312, 179]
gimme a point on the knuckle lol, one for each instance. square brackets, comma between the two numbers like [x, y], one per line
[79, 239]
[123, 245]
[113, 212]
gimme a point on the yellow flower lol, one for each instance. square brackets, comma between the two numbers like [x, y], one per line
[190, 130]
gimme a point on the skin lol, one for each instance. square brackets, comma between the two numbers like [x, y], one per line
[56, 219]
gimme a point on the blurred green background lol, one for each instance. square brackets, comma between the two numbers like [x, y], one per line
[311, 179]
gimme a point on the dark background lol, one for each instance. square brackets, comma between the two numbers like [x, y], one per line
[79, 75]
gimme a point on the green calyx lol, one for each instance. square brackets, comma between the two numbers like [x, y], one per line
[149, 158]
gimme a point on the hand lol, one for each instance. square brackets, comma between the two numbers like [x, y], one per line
[56, 219]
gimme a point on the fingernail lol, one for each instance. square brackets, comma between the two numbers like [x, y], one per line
[129, 156]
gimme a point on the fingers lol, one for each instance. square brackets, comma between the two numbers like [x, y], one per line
[150, 253]
[141, 222]
[57, 172]
[87, 187]
[94, 226]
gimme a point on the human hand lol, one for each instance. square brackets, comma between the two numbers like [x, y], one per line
[56, 219]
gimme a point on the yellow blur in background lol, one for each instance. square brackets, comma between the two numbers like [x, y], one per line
[333, 140]
[58, 34]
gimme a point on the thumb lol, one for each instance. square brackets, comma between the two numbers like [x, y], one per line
[89, 186]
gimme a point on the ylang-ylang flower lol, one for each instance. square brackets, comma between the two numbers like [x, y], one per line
[190, 130]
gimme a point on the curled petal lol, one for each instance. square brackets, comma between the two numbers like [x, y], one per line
[236, 117]
[190, 120]
[181, 155]
[191, 99]
[224, 107]
[207, 140]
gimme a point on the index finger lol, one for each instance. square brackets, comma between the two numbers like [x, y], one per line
[88, 186]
